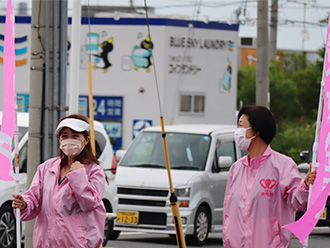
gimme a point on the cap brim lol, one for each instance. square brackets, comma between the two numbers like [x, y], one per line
[74, 124]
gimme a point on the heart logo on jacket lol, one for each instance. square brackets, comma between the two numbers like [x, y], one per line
[268, 183]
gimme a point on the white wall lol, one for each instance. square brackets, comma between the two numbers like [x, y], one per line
[121, 79]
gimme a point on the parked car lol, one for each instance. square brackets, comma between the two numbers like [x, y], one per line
[303, 168]
[7, 217]
[199, 180]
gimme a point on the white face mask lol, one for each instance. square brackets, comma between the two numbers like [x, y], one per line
[242, 142]
[72, 147]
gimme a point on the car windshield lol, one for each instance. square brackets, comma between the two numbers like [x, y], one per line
[186, 151]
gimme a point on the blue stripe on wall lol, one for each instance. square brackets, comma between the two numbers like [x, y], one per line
[17, 40]
[17, 51]
[141, 21]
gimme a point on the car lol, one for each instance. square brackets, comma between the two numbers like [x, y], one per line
[200, 157]
[303, 168]
[107, 161]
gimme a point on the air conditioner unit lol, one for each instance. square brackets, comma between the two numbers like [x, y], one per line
[248, 42]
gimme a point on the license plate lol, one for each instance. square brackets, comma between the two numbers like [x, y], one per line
[127, 217]
[324, 214]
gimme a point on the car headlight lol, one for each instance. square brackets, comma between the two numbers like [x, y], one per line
[182, 192]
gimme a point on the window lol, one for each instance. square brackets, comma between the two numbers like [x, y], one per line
[227, 149]
[192, 103]
[22, 159]
[224, 148]
[100, 143]
[185, 151]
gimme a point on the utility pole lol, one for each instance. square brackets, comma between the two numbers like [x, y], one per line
[273, 28]
[305, 35]
[262, 82]
[35, 103]
[47, 85]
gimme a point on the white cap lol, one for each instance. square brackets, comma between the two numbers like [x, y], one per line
[75, 124]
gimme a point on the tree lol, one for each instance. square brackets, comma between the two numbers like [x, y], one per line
[294, 97]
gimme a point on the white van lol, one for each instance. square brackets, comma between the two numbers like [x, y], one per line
[199, 178]
[7, 218]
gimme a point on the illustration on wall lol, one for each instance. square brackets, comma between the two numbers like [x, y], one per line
[92, 42]
[225, 83]
[102, 60]
[19, 52]
[230, 45]
[141, 55]
[99, 51]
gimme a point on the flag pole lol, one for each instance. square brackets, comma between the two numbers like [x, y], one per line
[90, 91]
[316, 144]
[18, 211]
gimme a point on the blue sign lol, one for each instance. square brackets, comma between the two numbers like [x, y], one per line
[105, 107]
[138, 125]
[22, 102]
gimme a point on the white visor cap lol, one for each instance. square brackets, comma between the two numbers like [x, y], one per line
[74, 124]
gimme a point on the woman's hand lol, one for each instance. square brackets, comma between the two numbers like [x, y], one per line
[76, 165]
[310, 177]
[18, 202]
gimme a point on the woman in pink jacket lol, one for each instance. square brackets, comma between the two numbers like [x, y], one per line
[264, 188]
[65, 195]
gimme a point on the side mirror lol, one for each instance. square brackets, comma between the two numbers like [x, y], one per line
[304, 155]
[120, 154]
[225, 162]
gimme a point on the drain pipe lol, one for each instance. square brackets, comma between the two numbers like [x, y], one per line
[54, 108]
[46, 96]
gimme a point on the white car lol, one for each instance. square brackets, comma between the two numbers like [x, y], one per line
[107, 161]
[200, 157]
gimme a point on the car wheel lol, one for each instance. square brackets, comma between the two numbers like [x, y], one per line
[201, 228]
[7, 227]
[114, 235]
[108, 229]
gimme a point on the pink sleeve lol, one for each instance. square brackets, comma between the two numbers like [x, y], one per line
[293, 188]
[225, 207]
[88, 186]
[33, 197]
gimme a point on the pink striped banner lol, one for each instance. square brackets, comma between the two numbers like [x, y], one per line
[8, 119]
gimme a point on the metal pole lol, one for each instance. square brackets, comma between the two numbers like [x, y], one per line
[63, 58]
[90, 89]
[273, 28]
[75, 57]
[18, 210]
[262, 83]
[304, 28]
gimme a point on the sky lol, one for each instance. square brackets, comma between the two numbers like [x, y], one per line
[291, 16]
[298, 20]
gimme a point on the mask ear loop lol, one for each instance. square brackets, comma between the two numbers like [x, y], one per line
[252, 136]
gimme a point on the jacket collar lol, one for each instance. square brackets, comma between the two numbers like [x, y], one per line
[55, 166]
[256, 162]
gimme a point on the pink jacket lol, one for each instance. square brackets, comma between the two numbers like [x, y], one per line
[68, 215]
[260, 198]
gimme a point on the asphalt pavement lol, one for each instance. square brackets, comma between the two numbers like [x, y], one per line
[319, 238]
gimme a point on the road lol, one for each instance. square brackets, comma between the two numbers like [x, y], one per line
[320, 238]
